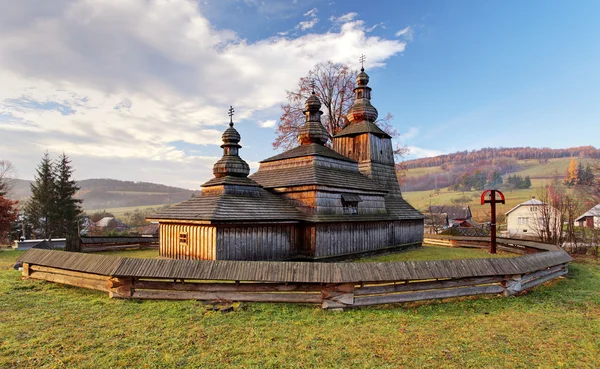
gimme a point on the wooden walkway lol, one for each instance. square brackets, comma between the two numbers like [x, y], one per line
[334, 285]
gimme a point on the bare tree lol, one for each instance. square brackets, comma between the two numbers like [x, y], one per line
[333, 85]
[548, 218]
[8, 174]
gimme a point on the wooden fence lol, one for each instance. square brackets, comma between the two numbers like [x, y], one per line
[332, 285]
[94, 244]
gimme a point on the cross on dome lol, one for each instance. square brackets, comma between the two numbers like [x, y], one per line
[231, 111]
[362, 61]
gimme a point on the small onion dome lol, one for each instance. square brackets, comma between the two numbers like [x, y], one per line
[362, 79]
[231, 136]
[313, 103]
[362, 110]
[313, 132]
[231, 165]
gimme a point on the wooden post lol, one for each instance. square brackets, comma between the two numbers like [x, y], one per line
[493, 223]
[120, 287]
[512, 285]
[337, 296]
[26, 270]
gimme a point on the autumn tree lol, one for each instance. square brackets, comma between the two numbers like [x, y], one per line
[572, 173]
[333, 85]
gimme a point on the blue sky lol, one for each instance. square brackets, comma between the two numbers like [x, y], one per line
[139, 90]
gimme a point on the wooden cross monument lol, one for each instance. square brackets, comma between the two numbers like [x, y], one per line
[493, 201]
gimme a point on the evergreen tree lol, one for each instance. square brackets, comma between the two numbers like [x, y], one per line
[580, 173]
[40, 210]
[527, 182]
[67, 207]
[587, 178]
[495, 181]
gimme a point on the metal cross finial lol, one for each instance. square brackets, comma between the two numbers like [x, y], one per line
[312, 85]
[231, 116]
[362, 61]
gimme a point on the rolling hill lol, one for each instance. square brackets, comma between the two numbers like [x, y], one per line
[104, 193]
[542, 171]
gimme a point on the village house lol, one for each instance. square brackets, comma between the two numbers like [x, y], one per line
[440, 217]
[531, 218]
[311, 201]
[591, 218]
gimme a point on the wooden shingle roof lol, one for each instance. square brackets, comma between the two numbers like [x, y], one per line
[315, 175]
[362, 127]
[263, 206]
[308, 150]
[400, 208]
[294, 272]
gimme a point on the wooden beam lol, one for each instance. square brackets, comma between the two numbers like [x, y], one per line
[225, 287]
[94, 284]
[26, 270]
[39, 268]
[419, 286]
[541, 273]
[230, 296]
[535, 282]
[428, 295]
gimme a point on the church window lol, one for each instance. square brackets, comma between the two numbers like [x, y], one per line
[359, 95]
[350, 203]
[183, 238]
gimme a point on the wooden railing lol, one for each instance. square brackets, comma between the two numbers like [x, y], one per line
[332, 285]
[94, 244]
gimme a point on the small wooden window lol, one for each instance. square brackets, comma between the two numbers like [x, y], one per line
[350, 207]
[350, 203]
[183, 238]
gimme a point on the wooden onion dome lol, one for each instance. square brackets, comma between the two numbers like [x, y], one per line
[362, 110]
[313, 131]
[231, 164]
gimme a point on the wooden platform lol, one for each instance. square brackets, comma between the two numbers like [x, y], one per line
[333, 285]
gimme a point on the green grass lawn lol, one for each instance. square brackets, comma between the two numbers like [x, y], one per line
[49, 325]
[428, 252]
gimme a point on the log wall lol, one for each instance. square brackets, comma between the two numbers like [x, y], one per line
[268, 242]
[201, 241]
[336, 239]
[365, 147]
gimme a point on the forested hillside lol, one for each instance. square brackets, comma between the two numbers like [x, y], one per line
[486, 167]
[491, 153]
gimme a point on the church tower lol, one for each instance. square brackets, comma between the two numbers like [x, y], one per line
[362, 140]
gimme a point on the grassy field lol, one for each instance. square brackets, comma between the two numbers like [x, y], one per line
[540, 176]
[54, 326]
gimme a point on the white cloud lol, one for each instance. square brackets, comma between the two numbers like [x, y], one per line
[267, 123]
[117, 82]
[411, 133]
[311, 13]
[343, 18]
[308, 24]
[415, 152]
[406, 33]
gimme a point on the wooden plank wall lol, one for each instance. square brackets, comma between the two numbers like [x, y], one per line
[201, 244]
[268, 242]
[331, 239]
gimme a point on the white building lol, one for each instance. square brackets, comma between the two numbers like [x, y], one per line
[591, 218]
[531, 218]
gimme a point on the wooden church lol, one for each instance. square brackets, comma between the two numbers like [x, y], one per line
[310, 202]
